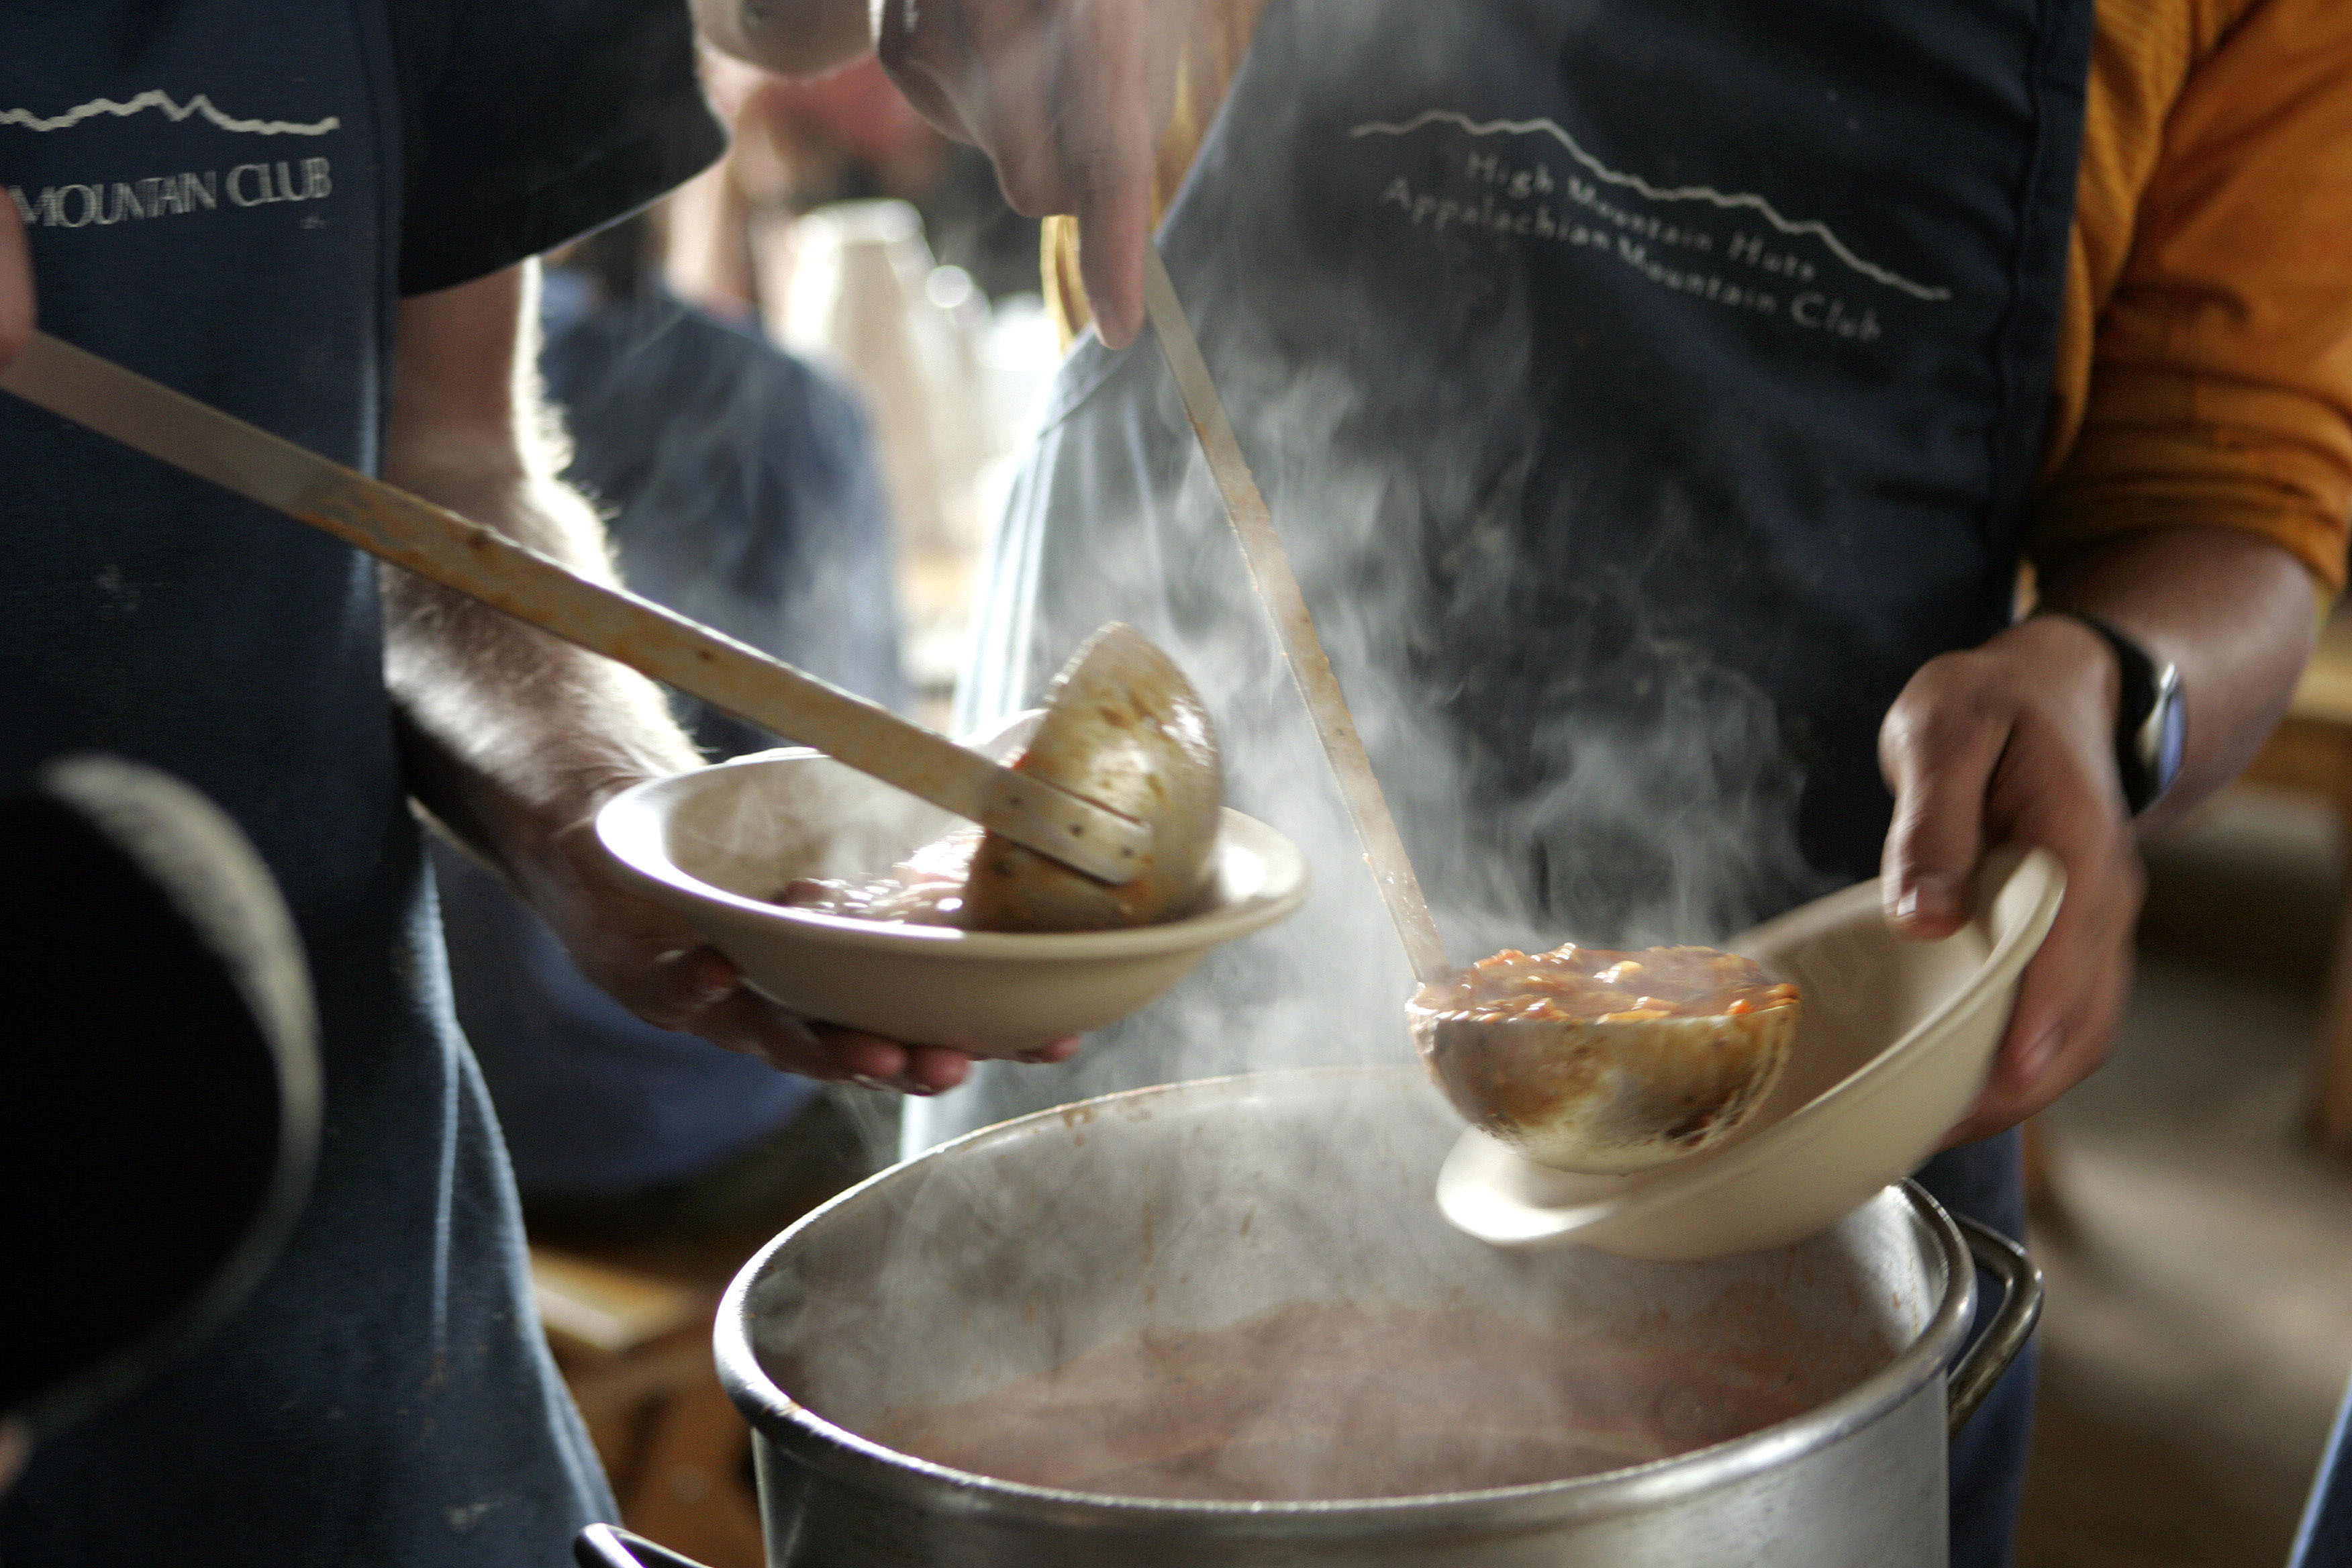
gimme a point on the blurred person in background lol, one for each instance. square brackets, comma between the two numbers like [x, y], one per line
[863, 240]
[740, 488]
[804, 142]
[1682, 386]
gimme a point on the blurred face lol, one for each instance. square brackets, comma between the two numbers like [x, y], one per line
[784, 128]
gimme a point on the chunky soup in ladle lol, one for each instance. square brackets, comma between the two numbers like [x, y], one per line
[1604, 1061]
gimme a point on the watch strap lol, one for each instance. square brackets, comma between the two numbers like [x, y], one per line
[2147, 724]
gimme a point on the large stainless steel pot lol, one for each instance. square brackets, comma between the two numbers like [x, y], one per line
[1195, 1206]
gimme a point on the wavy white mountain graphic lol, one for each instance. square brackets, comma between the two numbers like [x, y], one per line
[1708, 193]
[158, 98]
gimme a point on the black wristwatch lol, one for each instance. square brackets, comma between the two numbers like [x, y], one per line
[2149, 717]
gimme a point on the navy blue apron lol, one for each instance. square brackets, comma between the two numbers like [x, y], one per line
[211, 193]
[1647, 389]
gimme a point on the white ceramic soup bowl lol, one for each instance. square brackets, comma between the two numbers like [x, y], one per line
[716, 844]
[1894, 1042]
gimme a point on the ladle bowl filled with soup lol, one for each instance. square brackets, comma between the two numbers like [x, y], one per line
[1595, 1060]
[1221, 1322]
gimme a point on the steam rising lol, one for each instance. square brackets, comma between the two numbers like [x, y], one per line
[1567, 751]
[1563, 758]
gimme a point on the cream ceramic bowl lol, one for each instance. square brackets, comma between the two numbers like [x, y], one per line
[1895, 1041]
[716, 844]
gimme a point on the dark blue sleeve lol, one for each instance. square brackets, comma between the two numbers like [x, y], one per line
[525, 123]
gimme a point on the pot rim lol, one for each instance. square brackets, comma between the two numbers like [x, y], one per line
[846, 1456]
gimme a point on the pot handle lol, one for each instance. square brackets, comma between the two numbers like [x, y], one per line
[1981, 1364]
[609, 1546]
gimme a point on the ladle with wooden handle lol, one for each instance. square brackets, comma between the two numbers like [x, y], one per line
[1583, 1096]
[1302, 650]
[1157, 865]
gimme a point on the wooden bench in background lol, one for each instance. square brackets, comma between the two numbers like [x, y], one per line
[633, 1341]
[2311, 751]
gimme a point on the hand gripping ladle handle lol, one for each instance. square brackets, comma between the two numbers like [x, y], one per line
[1302, 650]
[445, 548]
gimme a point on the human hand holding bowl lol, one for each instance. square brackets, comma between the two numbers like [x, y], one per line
[1050, 952]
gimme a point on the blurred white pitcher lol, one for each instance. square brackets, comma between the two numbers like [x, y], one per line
[857, 298]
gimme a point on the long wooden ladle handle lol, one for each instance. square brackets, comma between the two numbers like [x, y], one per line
[1278, 589]
[439, 545]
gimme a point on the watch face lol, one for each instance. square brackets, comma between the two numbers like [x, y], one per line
[2172, 733]
[2164, 738]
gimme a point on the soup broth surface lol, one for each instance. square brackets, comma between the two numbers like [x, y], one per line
[1320, 1402]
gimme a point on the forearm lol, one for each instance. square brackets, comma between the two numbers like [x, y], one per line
[513, 739]
[508, 733]
[791, 38]
[2013, 743]
[2231, 609]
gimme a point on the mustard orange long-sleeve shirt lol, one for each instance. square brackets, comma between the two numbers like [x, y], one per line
[2204, 372]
